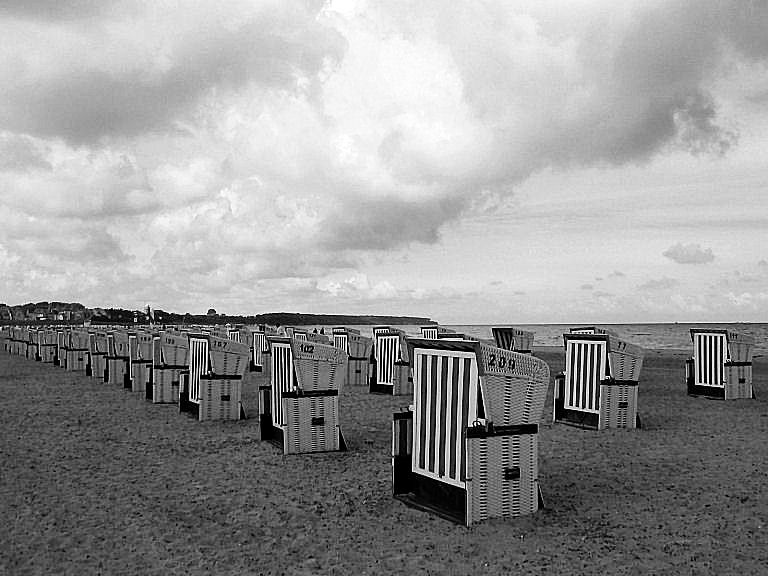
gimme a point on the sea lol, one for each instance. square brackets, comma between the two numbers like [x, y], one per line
[670, 336]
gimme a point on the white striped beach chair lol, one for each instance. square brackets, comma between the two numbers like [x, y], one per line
[170, 357]
[299, 410]
[212, 390]
[435, 331]
[358, 349]
[391, 373]
[467, 449]
[598, 388]
[721, 366]
[509, 338]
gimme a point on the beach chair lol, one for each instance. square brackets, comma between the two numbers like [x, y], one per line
[170, 355]
[76, 350]
[433, 331]
[299, 409]
[509, 338]
[259, 347]
[212, 389]
[140, 351]
[721, 366]
[97, 355]
[47, 345]
[61, 357]
[598, 388]
[390, 372]
[118, 359]
[358, 349]
[235, 334]
[467, 448]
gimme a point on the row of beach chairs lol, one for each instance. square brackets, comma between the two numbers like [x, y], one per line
[465, 448]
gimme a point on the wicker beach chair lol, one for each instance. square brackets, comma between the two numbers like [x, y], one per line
[509, 338]
[721, 366]
[212, 389]
[259, 348]
[118, 359]
[140, 369]
[467, 449]
[598, 388]
[170, 355]
[97, 355]
[358, 349]
[76, 350]
[390, 372]
[47, 345]
[299, 410]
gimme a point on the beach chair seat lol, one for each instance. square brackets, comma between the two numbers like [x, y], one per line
[390, 370]
[212, 388]
[721, 365]
[299, 409]
[467, 449]
[598, 388]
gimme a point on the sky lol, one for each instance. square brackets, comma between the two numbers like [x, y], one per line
[467, 161]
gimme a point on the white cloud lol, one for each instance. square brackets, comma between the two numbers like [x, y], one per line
[689, 254]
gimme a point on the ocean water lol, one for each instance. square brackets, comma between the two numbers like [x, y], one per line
[673, 336]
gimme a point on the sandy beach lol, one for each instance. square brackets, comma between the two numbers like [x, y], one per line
[95, 480]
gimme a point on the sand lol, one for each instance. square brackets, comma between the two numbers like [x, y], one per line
[96, 480]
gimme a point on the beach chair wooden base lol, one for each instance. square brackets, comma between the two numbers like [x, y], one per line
[97, 365]
[402, 382]
[617, 407]
[357, 371]
[501, 478]
[76, 359]
[48, 353]
[164, 386]
[142, 370]
[117, 370]
[220, 398]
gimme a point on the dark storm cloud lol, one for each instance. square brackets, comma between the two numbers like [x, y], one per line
[274, 49]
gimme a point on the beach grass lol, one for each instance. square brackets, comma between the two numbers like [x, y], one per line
[95, 480]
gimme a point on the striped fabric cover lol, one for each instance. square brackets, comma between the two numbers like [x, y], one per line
[282, 379]
[259, 347]
[445, 394]
[234, 335]
[198, 365]
[387, 353]
[509, 338]
[341, 341]
[710, 352]
[429, 332]
[586, 364]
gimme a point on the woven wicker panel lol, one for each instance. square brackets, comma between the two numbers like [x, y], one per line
[357, 372]
[626, 365]
[318, 366]
[117, 371]
[98, 364]
[618, 407]
[489, 493]
[121, 343]
[140, 377]
[228, 358]
[403, 384]
[175, 349]
[738, 382]
[740, 347]
[300, 435]
[514, 385]
[165, 386]
[219, 399]
[359, 346]
[76, 360]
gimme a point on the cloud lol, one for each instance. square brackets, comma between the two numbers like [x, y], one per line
[586, 287]
[223, 145]
[616, 274]
[689, 254]
[659, 284]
